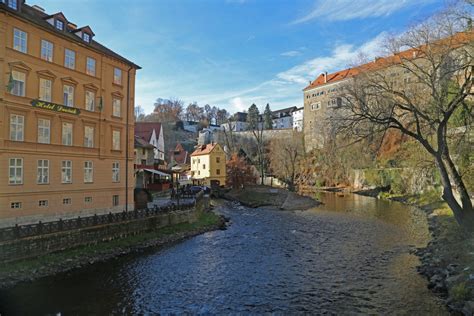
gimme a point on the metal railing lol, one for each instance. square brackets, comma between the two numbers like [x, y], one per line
[41, 228]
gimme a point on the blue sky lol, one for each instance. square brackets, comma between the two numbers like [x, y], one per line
[232, 53]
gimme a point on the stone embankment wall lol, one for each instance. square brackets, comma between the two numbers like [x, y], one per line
[40, 244]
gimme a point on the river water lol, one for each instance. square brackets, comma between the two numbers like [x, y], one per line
[349, 256]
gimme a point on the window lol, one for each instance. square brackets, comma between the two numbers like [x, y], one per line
[88, 136]
[67, 134]
[90, 101]
[88, 172]
[204, 166]
[47, 50]
[86, 37]
[116, 107]
[15, 171]
[90, 66]
[316, 106]
[117, 76]
[218, 159]
[115, 172]
[218, 171]
[42, 175]
[116, 140]
[20, 39]
[17, 125]
[88, 199]
[68, 93]
[45, 90]
[69, 59]
[19, 83]
[67, 201]
[44, 131]
[115, 200]
[14, 5]
[59, 25]
[66, 171]
[43, 203]
[15, 205]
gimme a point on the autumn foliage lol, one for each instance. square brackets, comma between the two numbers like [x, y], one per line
[239, 172]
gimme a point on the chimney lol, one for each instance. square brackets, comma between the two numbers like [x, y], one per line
[38, 8]
[325, 75]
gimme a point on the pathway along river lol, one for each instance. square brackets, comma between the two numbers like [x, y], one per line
[349, 256]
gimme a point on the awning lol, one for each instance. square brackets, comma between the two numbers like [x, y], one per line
[158, 172]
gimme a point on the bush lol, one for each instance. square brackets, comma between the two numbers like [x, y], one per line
[460, 292]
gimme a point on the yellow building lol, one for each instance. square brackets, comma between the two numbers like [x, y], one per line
[208, 165]
[66, 119]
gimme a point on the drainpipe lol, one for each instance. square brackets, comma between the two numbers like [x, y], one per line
[127, 137]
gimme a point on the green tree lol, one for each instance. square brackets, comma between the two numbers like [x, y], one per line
[252, 117]
[267, 118]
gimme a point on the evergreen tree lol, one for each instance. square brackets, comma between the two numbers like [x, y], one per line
[252, 117]
[267, 118]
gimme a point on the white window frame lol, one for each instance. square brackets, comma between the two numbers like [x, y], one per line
[67, 133]
[47, 50]
[115, 200]
[68, 95]
[117, 76]
[44, 131]
[20, 40]
[89, 132]
[13, 4]
[19, 83]
[90, 66]
[86, 37]
[15, 205]
[66, 171]
[17, 127]
[116, 135]
[116, 171]
[116, 107]
[59, 24]
[45, 89]
[88, 199]
[90, 100]
[69, 58]
[42, 171]
[88, 171]
[67, 201]
[43, 203]
[15, 171]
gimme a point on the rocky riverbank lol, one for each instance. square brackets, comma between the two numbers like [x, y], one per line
[258, 196]
[31, 269]
[448, 259]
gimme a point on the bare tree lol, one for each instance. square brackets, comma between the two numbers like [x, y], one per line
[166, 111]
[416, 90]
[285, 154]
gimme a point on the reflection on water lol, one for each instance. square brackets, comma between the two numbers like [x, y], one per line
[349, 256]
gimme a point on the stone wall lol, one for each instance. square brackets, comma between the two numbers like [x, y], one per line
[34, 246]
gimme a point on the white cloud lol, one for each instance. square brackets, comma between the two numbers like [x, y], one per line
[291, 53]
[340, 10]
[283, 90]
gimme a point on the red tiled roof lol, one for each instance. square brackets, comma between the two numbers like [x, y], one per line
[204, 149]
[180, 155]
[379, 63]
[145, 129]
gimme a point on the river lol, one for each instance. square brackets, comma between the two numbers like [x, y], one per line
[349, 256]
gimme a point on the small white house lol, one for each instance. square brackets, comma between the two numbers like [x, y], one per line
[298, 119]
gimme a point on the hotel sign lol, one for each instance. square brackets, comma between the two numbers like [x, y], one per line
[55, 107]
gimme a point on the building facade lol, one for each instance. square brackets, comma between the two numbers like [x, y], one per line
[208, 165]
[298, 115]
[66, 109]
[152, 132]
[283, 119]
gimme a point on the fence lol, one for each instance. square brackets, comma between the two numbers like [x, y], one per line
[40, 228]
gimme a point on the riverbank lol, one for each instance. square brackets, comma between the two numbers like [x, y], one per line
[258, 196]
[448, 259]
[50, 264]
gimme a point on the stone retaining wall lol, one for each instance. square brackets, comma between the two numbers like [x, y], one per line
[31, 247]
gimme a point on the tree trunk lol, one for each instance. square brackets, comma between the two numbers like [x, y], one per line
[464, 214]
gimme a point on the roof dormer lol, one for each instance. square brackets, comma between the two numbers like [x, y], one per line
[85, 33]
[58, 20]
